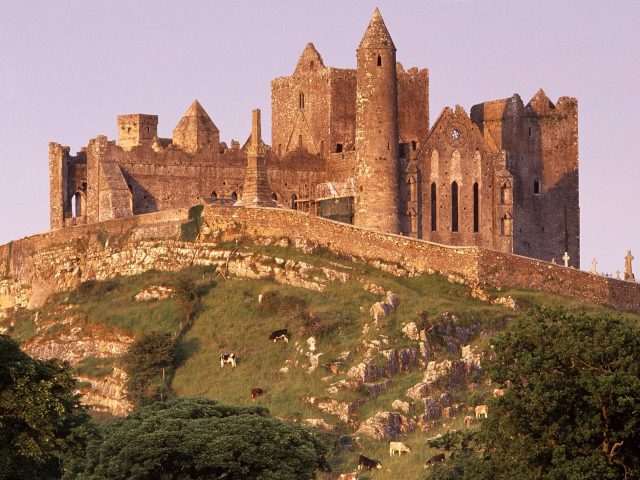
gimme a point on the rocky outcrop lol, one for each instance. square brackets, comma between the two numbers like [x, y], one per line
[400, 405]
[386, 306]
[106, 394]
[155, 292]
[319, 423]
[76, 343]
[386, 426]
[343, 410]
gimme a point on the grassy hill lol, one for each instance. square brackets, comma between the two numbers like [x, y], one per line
[231, 319]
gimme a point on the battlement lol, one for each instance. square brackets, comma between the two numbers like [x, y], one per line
[137, 129]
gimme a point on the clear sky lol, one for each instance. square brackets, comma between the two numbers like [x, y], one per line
[68, 68]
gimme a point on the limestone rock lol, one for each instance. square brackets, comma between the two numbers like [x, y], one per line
[367, 372]
[386, 426]
[400, 405]
[156, 292]
[343, 410]
[319, 423]
[418, 391]
[410, 331]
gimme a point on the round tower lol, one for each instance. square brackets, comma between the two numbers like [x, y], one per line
[377, 198]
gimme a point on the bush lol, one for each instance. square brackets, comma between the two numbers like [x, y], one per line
[191, 229]
[274, 303]
[200, 439]
[149, 363]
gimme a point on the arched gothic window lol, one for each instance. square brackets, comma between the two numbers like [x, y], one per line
[454, 207]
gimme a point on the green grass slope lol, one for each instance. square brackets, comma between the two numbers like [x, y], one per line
[230, 319]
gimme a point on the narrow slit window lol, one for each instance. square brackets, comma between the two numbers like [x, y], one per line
[379, 61]
[536, 187]
[434, 208]
[476, 208]
[454, 207]
[301, 100]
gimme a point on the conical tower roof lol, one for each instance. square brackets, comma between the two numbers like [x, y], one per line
[377, 35]
[196, 116]
[195, 129]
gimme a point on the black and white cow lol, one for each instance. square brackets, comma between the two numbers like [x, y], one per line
[228, 358]
[282, 334]
[368, 463]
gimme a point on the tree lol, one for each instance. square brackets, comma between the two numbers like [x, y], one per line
[149, 364]
[42, 420]
[572, 408]
[201, 439]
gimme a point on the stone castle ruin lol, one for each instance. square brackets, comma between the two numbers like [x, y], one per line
[356, 146]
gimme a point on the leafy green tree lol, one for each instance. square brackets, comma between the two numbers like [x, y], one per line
[572, 408]
[201, 439]
[41, 419]
[149, 364]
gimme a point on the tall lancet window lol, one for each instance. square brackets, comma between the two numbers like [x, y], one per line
[454, 207]
[434, 208]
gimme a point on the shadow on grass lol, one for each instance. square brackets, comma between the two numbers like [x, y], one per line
[184, 350]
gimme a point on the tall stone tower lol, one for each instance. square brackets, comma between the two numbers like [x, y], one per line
[377, 200]
[256, 192]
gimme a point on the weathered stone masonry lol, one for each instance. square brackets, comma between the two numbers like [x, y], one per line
[353, 145]
[35, 267]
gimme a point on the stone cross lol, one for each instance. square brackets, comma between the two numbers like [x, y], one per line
[553, 260]
[628, 272]
[618, 274]
[566, 258]
[594, 264]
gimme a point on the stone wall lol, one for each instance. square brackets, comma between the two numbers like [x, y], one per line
[541, 141]
[33, 268]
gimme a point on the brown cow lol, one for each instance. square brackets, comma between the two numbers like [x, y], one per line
[255, 393]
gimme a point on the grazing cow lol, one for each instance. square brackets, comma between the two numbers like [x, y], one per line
[255, 393]
[398, 447]
[468, 420]
[348, 476]
[282, 334]
[499, 392]
[482, 410]
[433, 460]
[228, 358]
[368, 463]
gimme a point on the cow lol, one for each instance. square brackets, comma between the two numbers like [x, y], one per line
[482, 410]
[229, 358]
[433, 460]
[398, 447]
[499, 392]
[446, 412]
[368, 463]
[468, 420]
[282, 334]
[255, 393]
[348, 476]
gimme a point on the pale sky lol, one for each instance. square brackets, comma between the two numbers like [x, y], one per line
[68, 68]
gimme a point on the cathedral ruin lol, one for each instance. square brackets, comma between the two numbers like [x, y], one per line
[355, 146]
